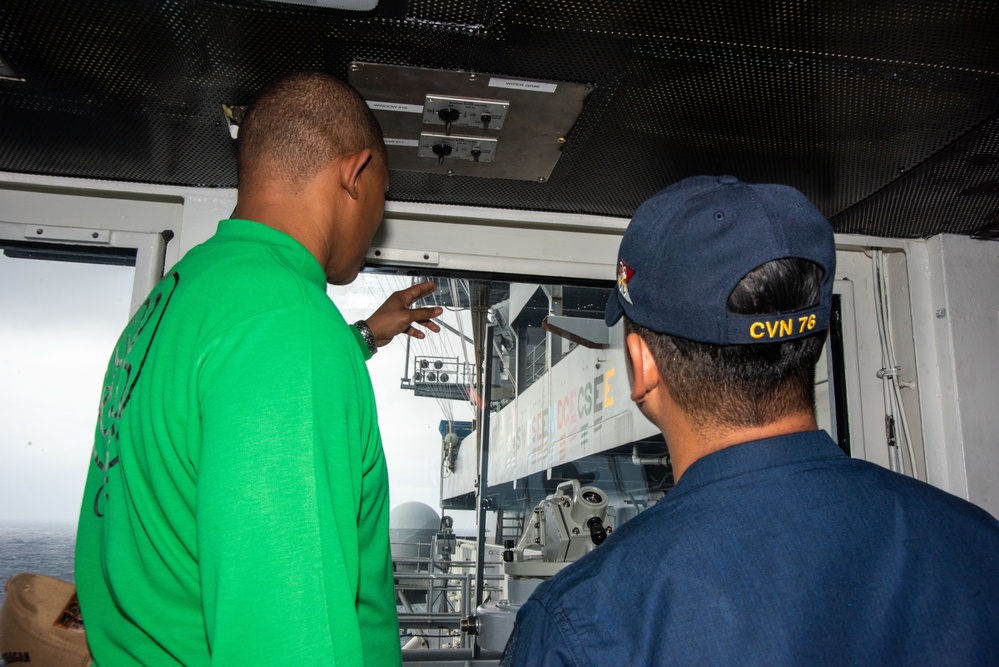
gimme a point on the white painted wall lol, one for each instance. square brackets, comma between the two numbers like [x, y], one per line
[955, 296]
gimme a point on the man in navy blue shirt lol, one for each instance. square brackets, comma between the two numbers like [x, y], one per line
[774, 547]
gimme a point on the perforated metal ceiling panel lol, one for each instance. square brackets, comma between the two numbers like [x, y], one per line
[886, 114]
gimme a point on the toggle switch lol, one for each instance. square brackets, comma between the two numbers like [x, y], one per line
[458, 147]
[464, 112]
[448, 115]
[441, 150]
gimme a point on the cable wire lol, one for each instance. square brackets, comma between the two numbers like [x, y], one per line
[889, 373]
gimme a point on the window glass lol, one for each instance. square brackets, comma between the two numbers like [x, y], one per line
[561, 422]
[410, 421]
[58, 324]
[558, 405]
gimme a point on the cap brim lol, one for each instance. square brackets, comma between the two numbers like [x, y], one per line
[614, 310]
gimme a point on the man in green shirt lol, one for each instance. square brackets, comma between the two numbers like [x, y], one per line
[236, 508]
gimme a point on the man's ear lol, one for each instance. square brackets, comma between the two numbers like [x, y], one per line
[350, 168]
[645, 373]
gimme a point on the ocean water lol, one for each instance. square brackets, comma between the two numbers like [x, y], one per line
[43, 548]
[40, 547]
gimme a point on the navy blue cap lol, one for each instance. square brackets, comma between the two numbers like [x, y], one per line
[688, 246]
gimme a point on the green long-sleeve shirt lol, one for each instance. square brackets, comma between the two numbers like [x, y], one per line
[236, 509]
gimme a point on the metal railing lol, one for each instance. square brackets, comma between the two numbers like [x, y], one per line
[435, 595]
[440, 377]
[536, 364]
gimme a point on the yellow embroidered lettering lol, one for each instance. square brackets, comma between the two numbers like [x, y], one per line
[802, 320]
[786, 328]
[756, 329]
[772, 329]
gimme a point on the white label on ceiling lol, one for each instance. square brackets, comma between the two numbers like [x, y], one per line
[518, 84]
[410, 143]
[395, 106]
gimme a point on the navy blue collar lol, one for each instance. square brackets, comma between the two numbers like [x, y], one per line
[757, 455]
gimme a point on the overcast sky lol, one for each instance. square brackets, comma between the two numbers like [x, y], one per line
[58, 324]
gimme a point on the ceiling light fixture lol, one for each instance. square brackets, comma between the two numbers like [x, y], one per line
[7, 72]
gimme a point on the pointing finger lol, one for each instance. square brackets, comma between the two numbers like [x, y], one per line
[421, 314]
[418, 291]
[430, 324]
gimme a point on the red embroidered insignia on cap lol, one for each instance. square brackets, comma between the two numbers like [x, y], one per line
[624, 274]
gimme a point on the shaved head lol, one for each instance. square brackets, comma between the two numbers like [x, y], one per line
[299, 124]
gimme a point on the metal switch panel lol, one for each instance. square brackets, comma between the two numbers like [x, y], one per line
[465, 112]
[536, 120]
[443, 147]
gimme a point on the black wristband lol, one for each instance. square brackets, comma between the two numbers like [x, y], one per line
[367, 335]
